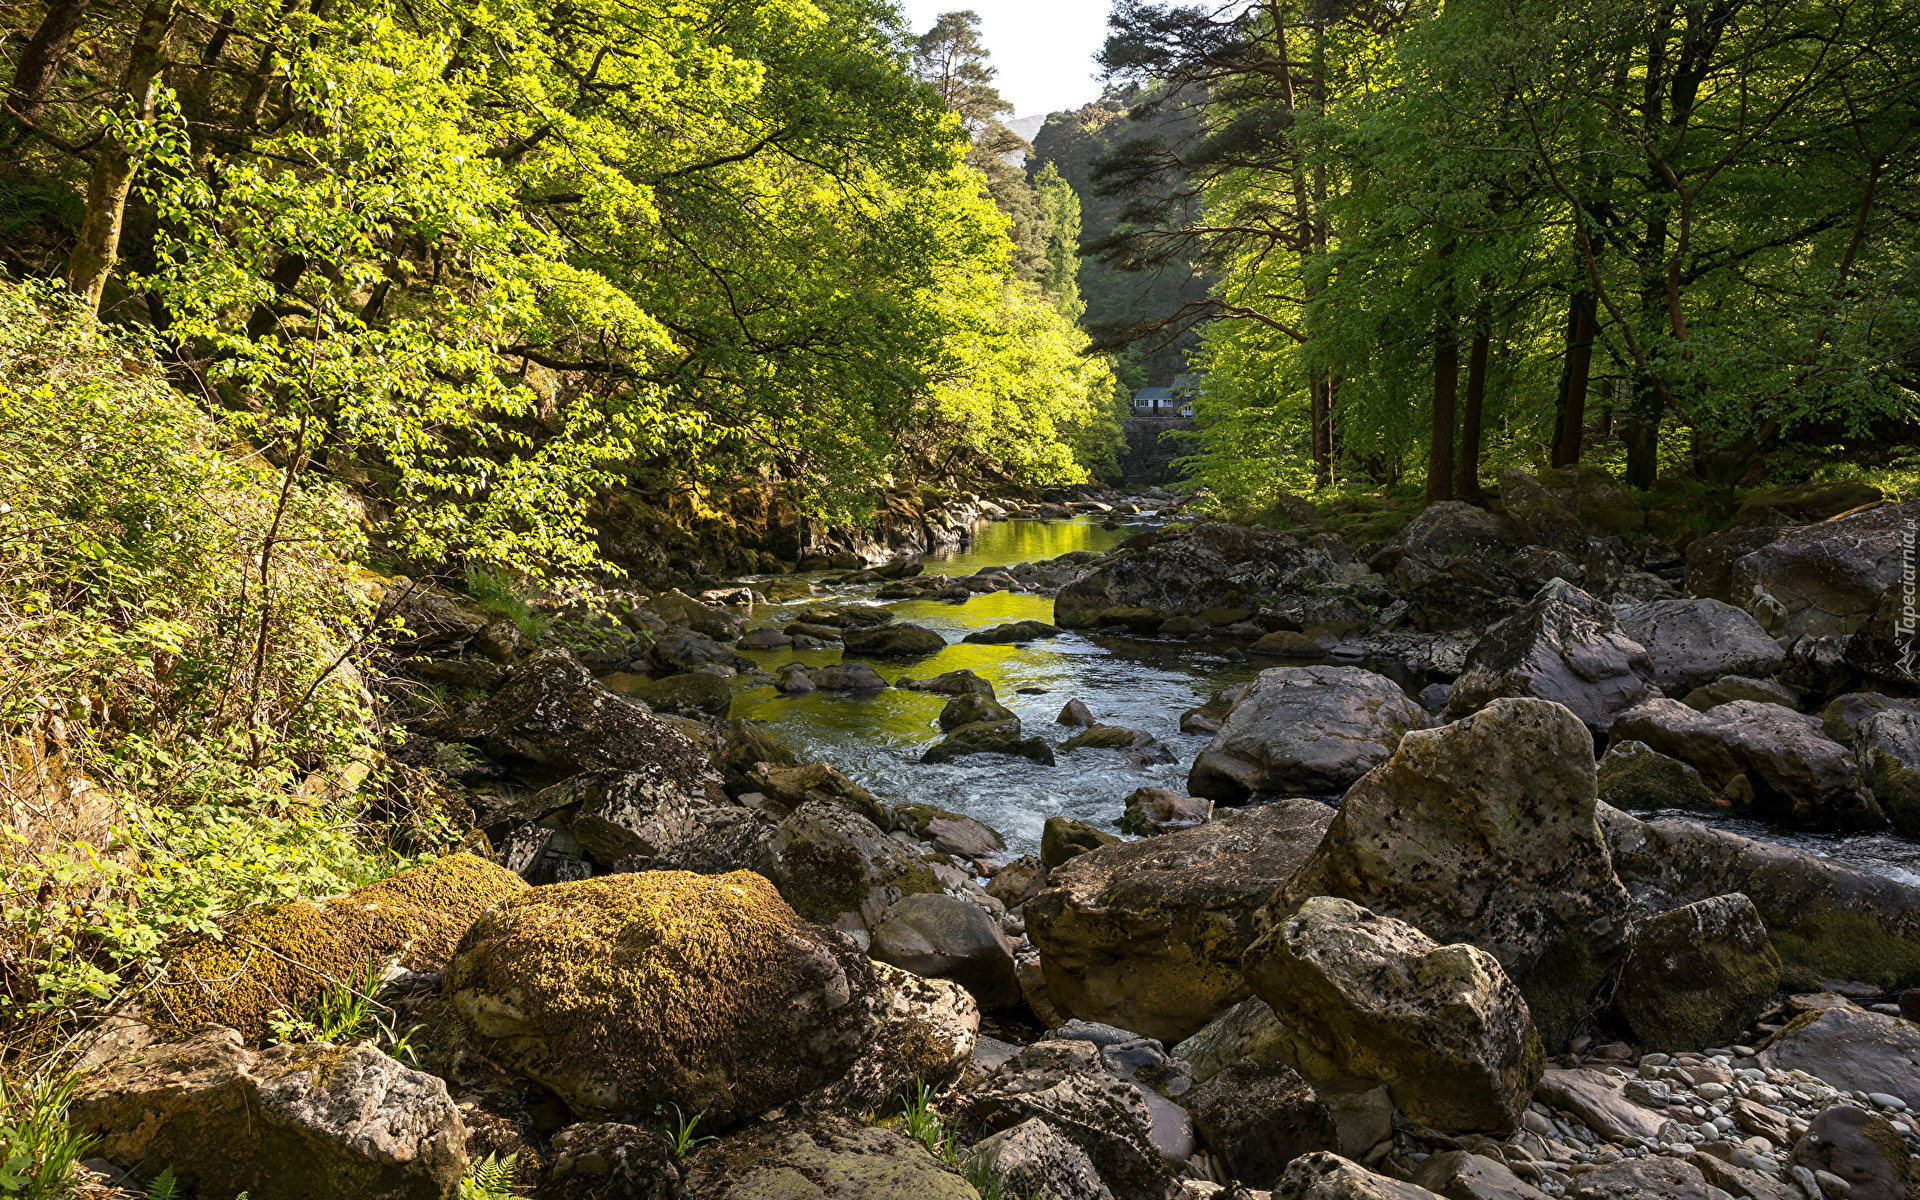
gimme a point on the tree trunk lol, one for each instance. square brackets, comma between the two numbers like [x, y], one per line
[1468, 486]
[40, 62]
[1640, 431]
[1319, 414]
[1574, 377]
[1446, 383]
[98, 246]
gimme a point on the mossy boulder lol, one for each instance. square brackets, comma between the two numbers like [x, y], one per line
[970, 707]
[693, 694]
[284, 956]
[835, 867]
[630, 991]
[1062, 838]
[822, 1156]
[893, 641]
[1697, 975]
[1887, 746]
[1636, 777]
[744, 746]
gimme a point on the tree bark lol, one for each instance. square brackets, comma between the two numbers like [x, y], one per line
[1318, 415]
[1574, 378]
[1468, 485]
[1446, 384]
[98, 246]
[39, 63]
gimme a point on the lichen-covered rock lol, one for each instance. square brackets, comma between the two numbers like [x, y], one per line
[1247, 1031]
[1887, 747]
[1483, 831]
[1841, 719]
[550, 720]
[1148, 935]
[1459, 1175]
[1371, 997]
[1106, 1117]
[1563, 646]
[1018, 631]
[821, 1156]
[1862, 1149]
[1692, 643]
[1255, 1119]
[1697, 975]
[605, 1160]
[1440, 530]
[1173, 572]
[1826, 920]
[1792, 770]
[949, 832]
[836, 867]
[1728, 688]
[1038, 1162]
[635, 823]
[1326, 1176]
[1831, 575]
[969, 707]
[926, 1032]
[893, 641]
[1853, 1050]
[787, 788]
[287, 1123]
[1151, 811]
[688, 694]
[284, 956]
[944, 937]
[1304, 730]
[1636, 777]
[629, 991]
[1063, 838]
[1137, 746]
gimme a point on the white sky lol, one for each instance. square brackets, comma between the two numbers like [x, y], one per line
[1043, 48]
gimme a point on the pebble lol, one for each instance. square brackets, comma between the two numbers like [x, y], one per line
[1832, 1185]
[1884, 1100]
[1712, 1091]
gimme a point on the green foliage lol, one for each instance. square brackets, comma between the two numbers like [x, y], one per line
[493, 593]
[163, 1187]
[489, 1179]
[37, 1149]
[921, 1121]
[680, 1128]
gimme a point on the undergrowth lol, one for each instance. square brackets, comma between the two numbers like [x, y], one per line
[921, 1121]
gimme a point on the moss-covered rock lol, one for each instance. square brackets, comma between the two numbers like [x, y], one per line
[1698, 975]
[822, 1156]
[284, 956]
[744, 746]
[1062, 838]
[1636, 777]
[662, 987]
[970, 707]
[692, 694]
[836, 867]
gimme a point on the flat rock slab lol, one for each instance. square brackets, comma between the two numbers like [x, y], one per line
[1600, 1101]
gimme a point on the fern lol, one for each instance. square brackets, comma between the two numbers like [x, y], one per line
[163, 1186]
[489, 1179]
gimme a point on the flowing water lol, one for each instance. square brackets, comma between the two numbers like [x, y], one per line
[877, 738]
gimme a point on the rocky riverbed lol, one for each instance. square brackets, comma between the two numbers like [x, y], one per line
[1152, 858]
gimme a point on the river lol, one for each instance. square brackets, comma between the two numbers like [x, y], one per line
[877, 738]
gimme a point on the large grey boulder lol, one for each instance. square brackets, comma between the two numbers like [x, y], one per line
[1371, 997]
[286, 1123]
[626, 992]
[1694, 642]
[631, 822]
[821, 1156]
[1830, 575]
[1540, 517]
[1887, 747]
[1826, 920]
[944, 937]
[1304, 731]
[1037, 1161]
[926, 1031]
[1710, 559]
[1148, 935]
[835, 867]
[1458, 1175]
[1863, 1150]
[1326, 1176]
[1483, 831]
[1249, 1030]
[1063, 1084]
[1853, 1050]
[1697, 975]
[1441, 529]
[1791, 769]
[1564, 646]
[1255, 1118]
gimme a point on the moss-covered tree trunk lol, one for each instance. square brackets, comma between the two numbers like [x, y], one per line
[97, 247]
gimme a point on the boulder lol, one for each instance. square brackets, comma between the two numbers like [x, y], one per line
[1483, 831]
[1440, 530]
[634, 822]
[691, 694]
[821, 1156]
[1793, 771]
[1826, 920]
[953, 683]
[1841, 719]
[1208, 717]
[1853, 1050]
[893, 641]
[1136, 746]
[743, 746]
[675, 607]
[286, 1123]
[1107, 1118]
[1151, 811]
[1536, 566]
[1458, 1175]
[1540, 518]
[1254, 1119]
[1148, 935]
[1037, 1161]
[847, 677]
[1636, 777]
[990, 737]
[1710, 559]
[1887, 748]
[1601, 1103]
[970, 707]
[1285, 643]
[1563, 646]
[1247, 1031]
[1694, 642]
[285, 956]
[949, 832]
[784, 789]
[1018, 881]
[550, 720]
[598, 1159]
[685, 649]
[1062, 838]
[1018, 631]
[1304, 730]
[1371, 997]
[765, 639]
[1831, 575]
[630, 991]
[1325, 1176]
[1697, 975]
[847, 616]
[1654, 1177]
[823, 633]
[1799, 502]
[1863, 1150]
[942, 937]
[835, 867]
[1075, 714]
[1172, 572]
[1728, 688]
[926, 1033]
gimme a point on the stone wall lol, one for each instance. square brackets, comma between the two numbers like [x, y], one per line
[1152, 445]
